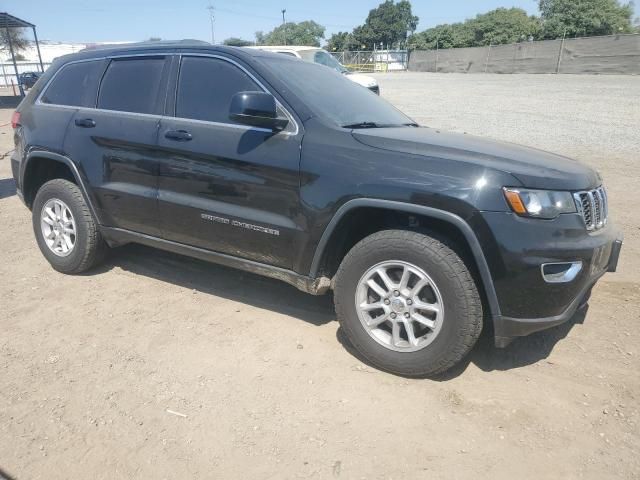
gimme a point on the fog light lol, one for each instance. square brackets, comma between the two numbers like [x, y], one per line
[561, 272]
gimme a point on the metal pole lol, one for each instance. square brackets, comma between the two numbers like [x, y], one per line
[212, 18]
[560, 52]
[35, 36]
[284, 26]
[15, 65]
[437, 42]
[486, 63]
[4, 75]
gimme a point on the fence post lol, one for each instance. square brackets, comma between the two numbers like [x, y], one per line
[486, 62]
[560, 52]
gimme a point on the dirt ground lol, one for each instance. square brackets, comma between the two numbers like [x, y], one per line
[157, 366]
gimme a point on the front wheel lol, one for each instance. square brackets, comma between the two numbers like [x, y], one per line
[408, 303]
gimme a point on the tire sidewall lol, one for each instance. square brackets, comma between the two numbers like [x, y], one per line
[62, 190]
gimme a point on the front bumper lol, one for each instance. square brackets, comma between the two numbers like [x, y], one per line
[516, 248]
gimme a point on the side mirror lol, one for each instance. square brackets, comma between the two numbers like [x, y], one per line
[257, 109]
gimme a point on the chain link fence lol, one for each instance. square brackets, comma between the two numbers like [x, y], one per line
[617, 54]
[374, 60]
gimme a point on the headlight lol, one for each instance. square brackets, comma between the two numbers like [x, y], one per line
[545, 204]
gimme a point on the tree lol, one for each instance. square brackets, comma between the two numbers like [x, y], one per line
[339, 42]
[585, 18]
[500, 26]
[18, 40]
[388, 24]
[237, 42]
[306, 33]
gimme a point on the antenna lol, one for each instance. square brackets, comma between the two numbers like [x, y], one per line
[212, 17]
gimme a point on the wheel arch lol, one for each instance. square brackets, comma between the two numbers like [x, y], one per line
[36, 159]
[442, 217]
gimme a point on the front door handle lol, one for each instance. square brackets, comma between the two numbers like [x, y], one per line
[178, 135]
[85, 122]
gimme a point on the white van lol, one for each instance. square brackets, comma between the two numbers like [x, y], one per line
[318, 55]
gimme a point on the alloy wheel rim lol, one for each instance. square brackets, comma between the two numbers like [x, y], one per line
[58, 227]
[399, 306]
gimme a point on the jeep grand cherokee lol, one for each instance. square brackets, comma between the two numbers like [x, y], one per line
[287, 169]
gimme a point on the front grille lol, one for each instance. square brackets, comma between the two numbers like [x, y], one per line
[593, 206]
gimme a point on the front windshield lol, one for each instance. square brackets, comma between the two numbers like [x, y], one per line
[323, 58]
[333, 97]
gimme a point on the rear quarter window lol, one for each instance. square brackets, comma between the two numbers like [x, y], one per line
[75, 84]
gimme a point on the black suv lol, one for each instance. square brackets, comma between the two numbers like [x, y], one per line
[287, 169]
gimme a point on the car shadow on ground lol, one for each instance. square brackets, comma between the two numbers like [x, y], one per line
[487, 357]
[10, 101]
[4, 475]
[7, 188]
[222, 281]
[279, 297]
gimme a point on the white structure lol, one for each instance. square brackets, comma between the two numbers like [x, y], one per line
[49, 51]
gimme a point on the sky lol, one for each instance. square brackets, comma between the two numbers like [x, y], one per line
[88, 21]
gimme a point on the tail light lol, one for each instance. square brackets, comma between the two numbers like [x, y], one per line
[15, 120]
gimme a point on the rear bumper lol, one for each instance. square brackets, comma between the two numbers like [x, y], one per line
[508, 328]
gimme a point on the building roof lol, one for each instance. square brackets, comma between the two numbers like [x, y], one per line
[9, 21]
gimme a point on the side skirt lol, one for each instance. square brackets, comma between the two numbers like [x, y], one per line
[314, 286]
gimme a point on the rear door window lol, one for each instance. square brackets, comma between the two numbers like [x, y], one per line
[75, 85]
[206, 86]
[133, 85]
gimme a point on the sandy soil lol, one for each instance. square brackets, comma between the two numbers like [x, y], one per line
[156, 366]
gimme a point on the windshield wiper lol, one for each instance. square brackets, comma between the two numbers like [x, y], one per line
[363, 125]
[377, 125]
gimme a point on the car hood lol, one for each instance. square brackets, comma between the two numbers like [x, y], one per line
[533, 168]
[364, 80]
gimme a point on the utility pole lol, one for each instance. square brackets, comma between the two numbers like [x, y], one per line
[212, 18]
[284, 26]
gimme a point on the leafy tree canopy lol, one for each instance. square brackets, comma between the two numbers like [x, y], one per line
[387, 24]
[341, 41]
[18, 40]
[237, 42]
[306, 33]
[584, 18]
[500, 26]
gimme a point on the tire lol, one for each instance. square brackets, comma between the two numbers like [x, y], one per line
[457, 326]
[89, 248]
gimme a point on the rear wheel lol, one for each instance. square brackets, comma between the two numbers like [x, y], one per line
[408, 303]
[65, 229]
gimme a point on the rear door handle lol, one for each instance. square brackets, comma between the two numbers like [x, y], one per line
[85, 122]
[178, 135]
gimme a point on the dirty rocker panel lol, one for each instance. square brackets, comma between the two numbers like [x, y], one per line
[314, 286]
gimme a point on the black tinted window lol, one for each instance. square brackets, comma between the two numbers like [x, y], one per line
[206, 86]
[75, 84]
[132, 85]
[331, 95]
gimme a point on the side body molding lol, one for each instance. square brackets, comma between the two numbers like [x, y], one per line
[56, 157]
[435, 213]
